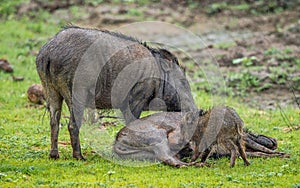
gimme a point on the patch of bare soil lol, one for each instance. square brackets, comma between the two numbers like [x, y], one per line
[268, 63]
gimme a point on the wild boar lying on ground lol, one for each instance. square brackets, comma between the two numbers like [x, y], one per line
[163, 136]
[104, 70]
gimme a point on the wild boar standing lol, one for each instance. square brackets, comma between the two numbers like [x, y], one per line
[105, 70]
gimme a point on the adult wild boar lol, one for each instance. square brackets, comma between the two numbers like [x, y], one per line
[104, 70]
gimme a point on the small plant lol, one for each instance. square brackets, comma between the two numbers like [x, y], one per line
[225, 45]
[271, 51]
[243, 6]
[264, 87]
[93, 2]
[278, 75]
[216, 8]
[246, 61]
[8, 7]
[134, 12]
[280, 55]
[243, 81]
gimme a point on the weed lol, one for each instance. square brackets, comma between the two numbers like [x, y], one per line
[8, 8]
[246, 61]
[278, 75]
[280, 55]
[216, 8]
[134, 12]
[240, 7]
[225, 45]
[94, 2]
[255, 8]
[271, 51]
[265, 86]
[242, 81]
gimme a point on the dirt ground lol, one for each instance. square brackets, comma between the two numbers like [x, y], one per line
[258, 55]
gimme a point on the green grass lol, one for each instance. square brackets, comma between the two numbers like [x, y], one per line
[25, 136]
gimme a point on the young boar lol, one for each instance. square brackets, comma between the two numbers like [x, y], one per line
[219, 126]
[165, 136]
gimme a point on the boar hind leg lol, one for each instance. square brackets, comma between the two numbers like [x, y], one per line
[250, 144]
[241, 147]
[74, 135]
[233, 152]
[55, 104]
[76, 116]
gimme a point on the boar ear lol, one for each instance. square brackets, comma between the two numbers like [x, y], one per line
[169, 56]
[167, 60]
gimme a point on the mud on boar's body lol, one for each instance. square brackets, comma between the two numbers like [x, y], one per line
[166, 136]
[104, 70]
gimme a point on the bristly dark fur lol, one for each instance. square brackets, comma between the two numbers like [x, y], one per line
[162, 51]
[69, 25]
[116, 34]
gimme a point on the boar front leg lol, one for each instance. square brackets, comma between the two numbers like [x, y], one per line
[233, 153]
[241, 147]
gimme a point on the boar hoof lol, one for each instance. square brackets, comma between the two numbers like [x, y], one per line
[54, 154]
[246, 163]
[79, 157]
